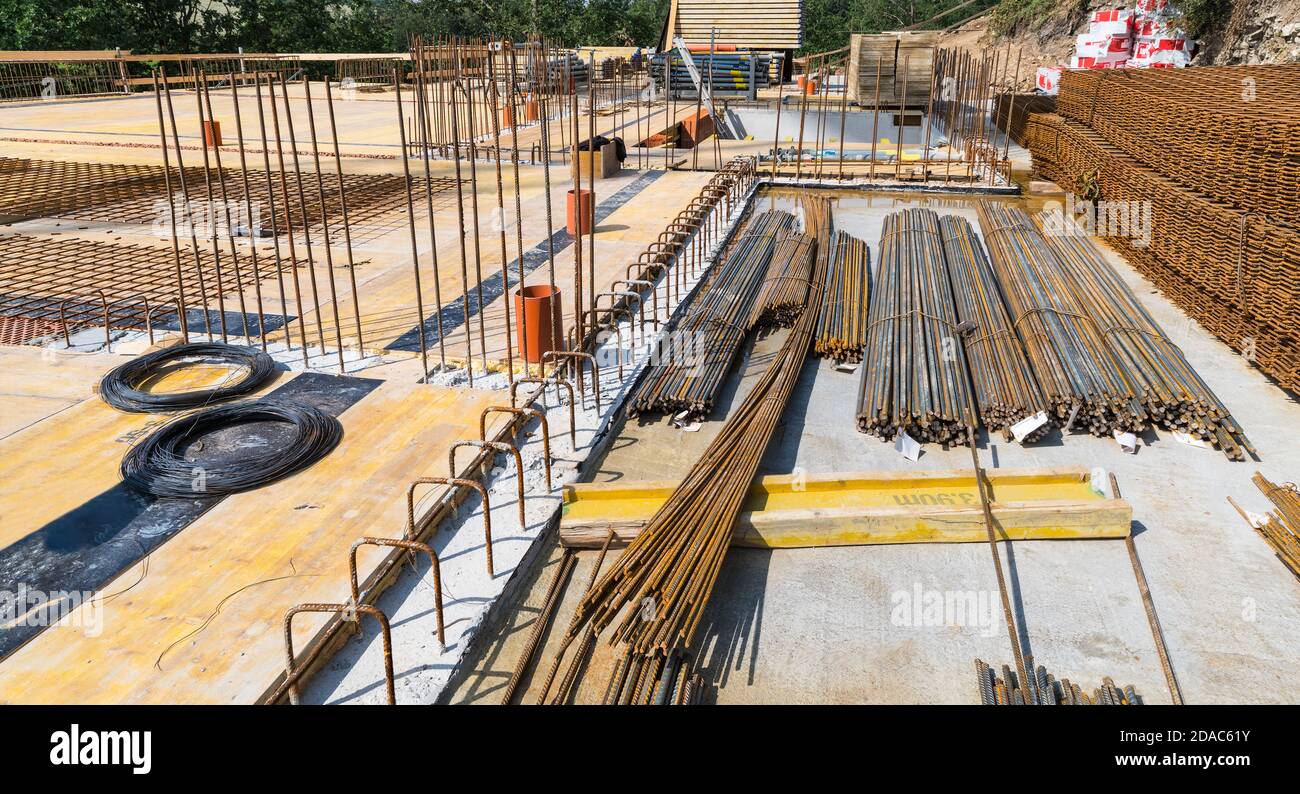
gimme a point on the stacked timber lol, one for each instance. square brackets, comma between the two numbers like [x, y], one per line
[905, 62]
[754, 24]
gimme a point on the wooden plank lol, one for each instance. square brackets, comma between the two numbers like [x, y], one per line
[200, 621]
[789, 511]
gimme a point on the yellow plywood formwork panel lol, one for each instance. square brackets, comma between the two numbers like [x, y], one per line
[58, 464]
[790, 511]
[200, 620]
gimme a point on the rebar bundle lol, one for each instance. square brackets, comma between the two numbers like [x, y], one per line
[1081, 381]
[917, 380]
[1046, 690]
[784, 292]
[1006, 390]
[1230, 133]
[655, 595]
[692, 362]
[1232, 271]
[1175, 396]
[1281, 529]
[842, 326]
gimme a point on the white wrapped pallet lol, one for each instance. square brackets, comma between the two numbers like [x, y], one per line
[1048, 79]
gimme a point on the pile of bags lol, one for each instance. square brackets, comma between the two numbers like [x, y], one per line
[1143, 38]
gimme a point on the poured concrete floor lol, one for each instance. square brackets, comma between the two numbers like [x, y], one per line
[830, 625]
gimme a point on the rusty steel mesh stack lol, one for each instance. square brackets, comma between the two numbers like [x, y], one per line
[689, 368]
[1220, 174]
[915, 380]
[1229, 133]
[842, 327]
[1006, 390]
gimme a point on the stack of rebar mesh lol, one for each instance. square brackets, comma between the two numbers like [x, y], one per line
[916, 382]
[1046, 690]
[842, 327]
[687, 372]
[1280, 528]
[1214, 153]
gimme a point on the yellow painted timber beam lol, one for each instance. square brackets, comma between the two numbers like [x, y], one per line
[800, 511]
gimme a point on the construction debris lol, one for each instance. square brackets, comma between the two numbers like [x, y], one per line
[1279, 528]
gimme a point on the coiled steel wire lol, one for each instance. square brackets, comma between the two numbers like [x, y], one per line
[917, 379]
[164, 463]
[842, 326]
[1006, 390]
[688, 369]
[120, 388]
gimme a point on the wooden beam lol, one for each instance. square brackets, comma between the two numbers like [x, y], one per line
[786, 511]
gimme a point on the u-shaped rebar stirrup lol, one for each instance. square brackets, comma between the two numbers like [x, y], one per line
[533, 412]
[495, 446]
[63, 319]
[597, 327]
[614, 310]
[634, 288]
[557, 383]
[577, 357]
[455, 482]
[352, 614]
[626, 295]
[409, 545]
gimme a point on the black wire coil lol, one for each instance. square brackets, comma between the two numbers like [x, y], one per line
[157, 464]
[119, 388]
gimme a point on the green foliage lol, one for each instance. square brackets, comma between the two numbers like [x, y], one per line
[314, 26]
[828, 23]
[1011, 16]
[1199, 17]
